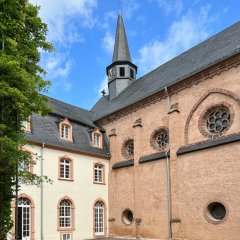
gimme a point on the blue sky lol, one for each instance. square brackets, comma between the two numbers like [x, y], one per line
[83, 32]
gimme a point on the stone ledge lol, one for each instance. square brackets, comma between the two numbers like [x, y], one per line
[123, 164]
[153, 157]
[208, 144]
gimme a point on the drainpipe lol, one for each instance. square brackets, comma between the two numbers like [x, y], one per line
[167, 154]
[41, 214]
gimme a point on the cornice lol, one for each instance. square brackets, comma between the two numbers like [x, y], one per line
[69, 150]
[188, 82]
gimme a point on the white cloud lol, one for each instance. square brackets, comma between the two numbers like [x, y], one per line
[183, 34]
[63, 16]
[175, 6]
[108, 42]
[57, 65]
[130, 7]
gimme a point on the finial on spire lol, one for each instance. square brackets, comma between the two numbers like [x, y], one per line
[120, 6]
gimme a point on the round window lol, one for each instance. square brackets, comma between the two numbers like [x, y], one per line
[159, 139]
[218, 121]
[216, 212]
[127, 217]
[128, 149]
[162, 139]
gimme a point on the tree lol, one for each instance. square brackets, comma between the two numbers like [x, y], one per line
[22, 37]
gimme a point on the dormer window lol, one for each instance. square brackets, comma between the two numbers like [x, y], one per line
[122, 71]
[65, 128]
[65, 131]
[97, 138]
[26, 125]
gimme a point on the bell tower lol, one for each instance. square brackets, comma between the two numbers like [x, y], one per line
[122, 72]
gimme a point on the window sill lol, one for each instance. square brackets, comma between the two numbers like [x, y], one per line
[66, 139]
[66, 179]
[66, 229]
[99, 183]
[99, 147]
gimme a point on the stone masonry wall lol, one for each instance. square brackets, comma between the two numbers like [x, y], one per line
[197, 178]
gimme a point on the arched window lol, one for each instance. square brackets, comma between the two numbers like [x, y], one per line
[66, 215]
[25, 217]
[99, 218]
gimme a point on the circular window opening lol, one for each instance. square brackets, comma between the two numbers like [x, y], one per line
[218, 121]
[216, 211]
[128, 149]
[159, 139]
[162, 139]
[127, 217]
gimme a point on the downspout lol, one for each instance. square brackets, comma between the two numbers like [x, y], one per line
[41, 214]
[167, 154]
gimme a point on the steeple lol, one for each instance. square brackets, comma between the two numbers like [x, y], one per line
[122, 72]
[121, 50]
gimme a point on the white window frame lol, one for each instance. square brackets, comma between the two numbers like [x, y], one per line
[24, 124]
[65, 164]
[64, 217]
[98, 172]
[25, 204]
[99, 218]
[65, 131]
[96, 139]
[68, 236]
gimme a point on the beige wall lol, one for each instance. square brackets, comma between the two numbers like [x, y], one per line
[196, 178]
[81, 190]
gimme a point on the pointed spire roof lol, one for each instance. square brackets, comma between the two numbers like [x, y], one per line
[121, 50]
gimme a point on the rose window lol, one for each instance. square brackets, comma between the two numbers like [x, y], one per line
[130, 148]
[218, 121]
[162, 139]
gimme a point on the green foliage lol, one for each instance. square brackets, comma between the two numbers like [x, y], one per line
[22, 37]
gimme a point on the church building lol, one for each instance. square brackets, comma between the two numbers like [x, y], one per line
[156, 158]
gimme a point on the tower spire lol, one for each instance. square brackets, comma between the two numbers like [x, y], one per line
[122, 72]
[121, 49]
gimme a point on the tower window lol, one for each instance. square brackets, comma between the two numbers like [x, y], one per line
[131, 73]
[122, 71]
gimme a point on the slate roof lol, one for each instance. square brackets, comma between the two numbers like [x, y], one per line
[46, 129]
[215, 49]
[121, 49]
[72, 112]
